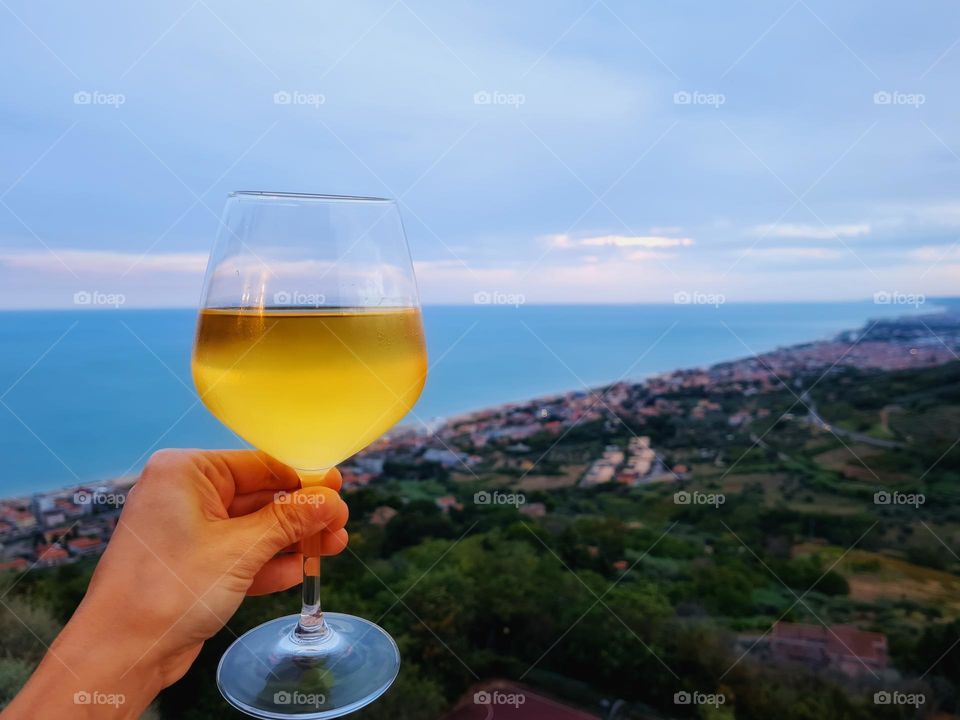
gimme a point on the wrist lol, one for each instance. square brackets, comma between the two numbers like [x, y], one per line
[112, 664]
[91, 671]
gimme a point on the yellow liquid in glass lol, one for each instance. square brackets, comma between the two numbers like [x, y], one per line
[311, 388]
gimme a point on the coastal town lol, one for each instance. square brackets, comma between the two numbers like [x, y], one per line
[58, 527]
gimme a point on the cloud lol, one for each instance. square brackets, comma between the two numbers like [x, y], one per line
[619, 241]
[812, 253]
[935, 253]
[104, 262]
[813, 232]
[558, 241]
[642, 255]
[455, 274]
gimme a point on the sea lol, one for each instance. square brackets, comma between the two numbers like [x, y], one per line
[88, 395]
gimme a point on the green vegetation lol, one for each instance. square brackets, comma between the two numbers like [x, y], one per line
[619, 592]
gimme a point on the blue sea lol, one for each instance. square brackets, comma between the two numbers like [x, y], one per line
[88, 395]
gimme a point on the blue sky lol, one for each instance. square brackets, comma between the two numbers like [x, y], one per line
[567, 151]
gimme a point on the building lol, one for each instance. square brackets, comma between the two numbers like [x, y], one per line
[445, 456]
[86, 546]
[537, 510]
[641, 457]
[370, 463]
[448, 503]
[382, 515]
[840, 648]
[49, 555]
[604, 468]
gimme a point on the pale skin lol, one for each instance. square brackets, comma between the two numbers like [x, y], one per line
[200, 531]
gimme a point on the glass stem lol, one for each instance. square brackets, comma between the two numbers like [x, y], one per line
[311, 626]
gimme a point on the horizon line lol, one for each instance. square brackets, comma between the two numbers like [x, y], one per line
[624, 303]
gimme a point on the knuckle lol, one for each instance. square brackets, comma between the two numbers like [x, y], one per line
[161, 463]
[289, 524]
[332, 509]
[163, 458]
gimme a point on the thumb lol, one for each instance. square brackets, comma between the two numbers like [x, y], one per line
[291, 517]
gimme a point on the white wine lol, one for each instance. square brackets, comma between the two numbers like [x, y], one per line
[310, 387]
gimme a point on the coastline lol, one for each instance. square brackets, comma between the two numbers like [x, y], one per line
[939, 306]
[64, 524]
[425, 427]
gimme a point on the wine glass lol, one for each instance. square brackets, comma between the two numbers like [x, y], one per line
[309, 346]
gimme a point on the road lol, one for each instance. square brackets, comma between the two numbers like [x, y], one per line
[813, 417]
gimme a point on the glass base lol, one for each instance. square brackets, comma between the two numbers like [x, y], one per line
[268, 673]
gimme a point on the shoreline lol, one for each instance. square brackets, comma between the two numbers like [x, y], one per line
[64, 524]
[439, 420]
[429, 426]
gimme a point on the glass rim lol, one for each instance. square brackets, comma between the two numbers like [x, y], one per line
[320, 197]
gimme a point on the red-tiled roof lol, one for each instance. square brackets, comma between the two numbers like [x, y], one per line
[837, 641]
[51, 552]
[84, 542]
[15, 564]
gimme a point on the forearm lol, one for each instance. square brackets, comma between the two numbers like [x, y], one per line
[90, 671]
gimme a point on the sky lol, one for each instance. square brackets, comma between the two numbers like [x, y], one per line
[588, 151]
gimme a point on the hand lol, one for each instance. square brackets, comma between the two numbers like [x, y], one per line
[200, 530]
